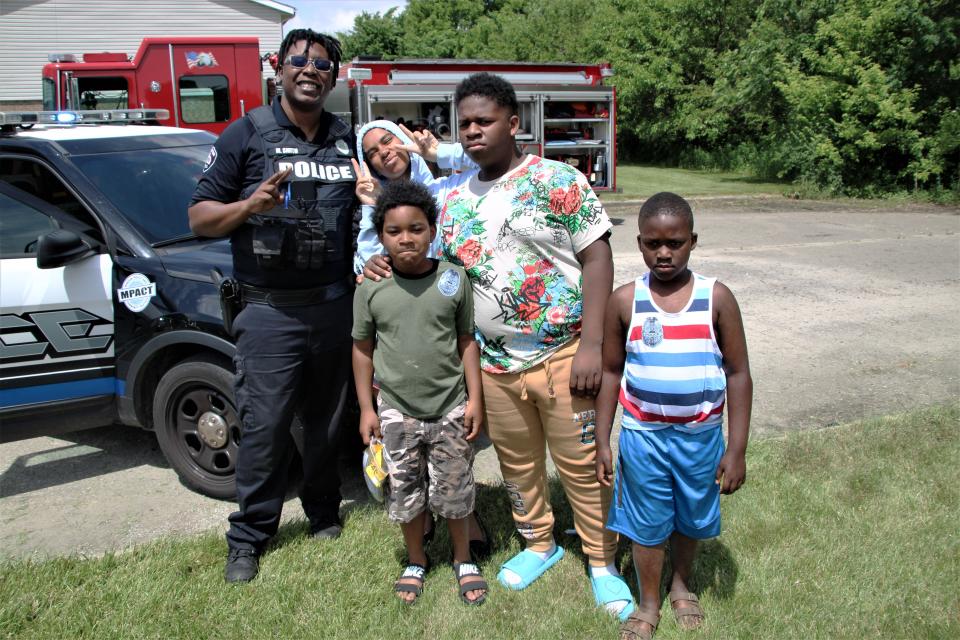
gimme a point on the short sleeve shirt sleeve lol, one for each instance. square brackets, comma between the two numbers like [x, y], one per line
[579, 208]
[465, 308]
[363, 325]
[224, 174]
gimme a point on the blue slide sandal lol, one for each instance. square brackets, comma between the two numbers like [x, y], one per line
[528, 566]
[607, 589]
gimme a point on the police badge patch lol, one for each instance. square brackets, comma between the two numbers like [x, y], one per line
[342, 147]
[211, 158]
[449, 283]
[652, 332]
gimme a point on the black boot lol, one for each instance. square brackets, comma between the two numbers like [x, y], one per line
[242, 565]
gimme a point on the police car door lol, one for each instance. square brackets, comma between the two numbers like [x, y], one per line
[56, 324]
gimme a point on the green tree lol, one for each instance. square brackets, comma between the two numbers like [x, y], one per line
[439, 28]
[665, 54]
[374, 35]
[534, 31]
[852, 93]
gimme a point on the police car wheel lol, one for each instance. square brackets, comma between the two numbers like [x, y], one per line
[198, 427]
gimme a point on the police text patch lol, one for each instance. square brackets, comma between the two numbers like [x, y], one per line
[318, 171]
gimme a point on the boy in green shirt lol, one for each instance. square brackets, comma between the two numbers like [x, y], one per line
[416, 331]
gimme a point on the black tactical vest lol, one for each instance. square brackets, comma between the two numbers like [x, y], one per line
[305, 242]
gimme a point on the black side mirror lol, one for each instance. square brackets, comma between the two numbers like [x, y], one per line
[61, 247]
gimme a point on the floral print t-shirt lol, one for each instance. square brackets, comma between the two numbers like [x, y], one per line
[517, 238]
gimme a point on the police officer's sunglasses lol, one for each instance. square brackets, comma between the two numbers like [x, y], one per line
[301, 61]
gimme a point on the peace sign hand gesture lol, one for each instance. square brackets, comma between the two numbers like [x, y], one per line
[368, 188]
[269, 194]
[424, 143]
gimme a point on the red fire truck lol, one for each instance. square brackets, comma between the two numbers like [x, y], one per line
[205, 83]
[566, 111]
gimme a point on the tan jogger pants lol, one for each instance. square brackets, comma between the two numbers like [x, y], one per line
[532, 410]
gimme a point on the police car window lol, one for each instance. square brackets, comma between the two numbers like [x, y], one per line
[38, 181]
[20, 226]
[152, 188]
[204, 98]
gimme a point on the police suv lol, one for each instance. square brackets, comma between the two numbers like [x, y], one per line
[108, 307]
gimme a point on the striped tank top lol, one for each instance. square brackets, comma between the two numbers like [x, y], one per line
[673, 374]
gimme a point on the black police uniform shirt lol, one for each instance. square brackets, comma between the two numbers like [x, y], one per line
[235, 164]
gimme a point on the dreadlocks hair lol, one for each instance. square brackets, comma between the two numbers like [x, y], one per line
[489, 86]
[331, 44]
[404, 192]
[665, 204]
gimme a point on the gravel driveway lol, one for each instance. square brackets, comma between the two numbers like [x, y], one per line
[851, 310]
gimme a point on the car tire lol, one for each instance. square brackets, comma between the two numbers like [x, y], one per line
[198, 426]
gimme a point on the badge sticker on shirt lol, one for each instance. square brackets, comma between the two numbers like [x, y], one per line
[449, 283]
[342, 147]
[652, 332]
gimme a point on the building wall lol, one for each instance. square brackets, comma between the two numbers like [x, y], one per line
[32, 29]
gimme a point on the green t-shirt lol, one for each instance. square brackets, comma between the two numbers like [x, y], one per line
[415, 321]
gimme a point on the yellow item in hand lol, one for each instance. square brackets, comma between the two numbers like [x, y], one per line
[374, 469]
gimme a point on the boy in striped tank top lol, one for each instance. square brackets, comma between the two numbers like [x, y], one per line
[675, 355]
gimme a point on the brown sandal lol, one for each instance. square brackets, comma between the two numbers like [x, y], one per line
[685, 606]
[631, 629]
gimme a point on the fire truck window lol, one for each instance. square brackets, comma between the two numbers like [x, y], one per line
[102, 93]
[204, 98]
[49, 95]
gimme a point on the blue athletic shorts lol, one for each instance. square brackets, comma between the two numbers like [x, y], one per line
[666, 482]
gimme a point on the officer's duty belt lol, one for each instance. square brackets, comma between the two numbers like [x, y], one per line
[295, 297]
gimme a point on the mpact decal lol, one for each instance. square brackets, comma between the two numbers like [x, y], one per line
[136, 291]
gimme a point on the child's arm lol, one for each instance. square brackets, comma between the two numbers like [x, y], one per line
[363, 380]
[597, 264]
[614, 355]
[470, 355]
[732, 470]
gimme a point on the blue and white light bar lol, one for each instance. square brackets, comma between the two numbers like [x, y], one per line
[82, 117]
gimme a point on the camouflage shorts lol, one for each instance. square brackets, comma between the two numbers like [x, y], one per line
[427, 459]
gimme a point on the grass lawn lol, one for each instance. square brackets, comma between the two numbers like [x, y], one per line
[638, 181]
[850, 532]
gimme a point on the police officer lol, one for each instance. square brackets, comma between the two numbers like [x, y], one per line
[280, 183]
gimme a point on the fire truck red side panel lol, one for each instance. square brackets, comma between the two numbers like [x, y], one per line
[165, 72]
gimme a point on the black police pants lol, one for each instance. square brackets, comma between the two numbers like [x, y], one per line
[289, 360]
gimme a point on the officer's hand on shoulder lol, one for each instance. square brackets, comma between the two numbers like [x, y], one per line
[269, 194]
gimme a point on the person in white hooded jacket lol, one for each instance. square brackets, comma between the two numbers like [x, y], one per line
[392, 152]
